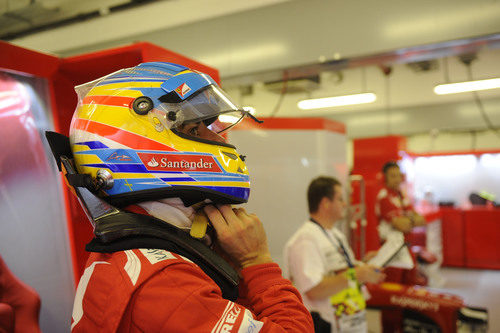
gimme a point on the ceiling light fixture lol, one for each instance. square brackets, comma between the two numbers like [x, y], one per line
[467, 86]
[327, 102]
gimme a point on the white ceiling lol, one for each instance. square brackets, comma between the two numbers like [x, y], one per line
[147, 16]
[255, 41]
[406, 103]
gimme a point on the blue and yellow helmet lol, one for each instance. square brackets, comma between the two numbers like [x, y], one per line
[123, 132]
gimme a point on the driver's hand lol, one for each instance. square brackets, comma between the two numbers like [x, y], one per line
[240, 235]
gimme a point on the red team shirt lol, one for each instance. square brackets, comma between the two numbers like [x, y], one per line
[390, 203]
[150, 290]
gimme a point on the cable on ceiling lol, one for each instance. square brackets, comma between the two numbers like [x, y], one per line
[284, 89]
[467, 60]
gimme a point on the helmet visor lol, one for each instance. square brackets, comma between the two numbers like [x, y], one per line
[225, 120]
[207, 105]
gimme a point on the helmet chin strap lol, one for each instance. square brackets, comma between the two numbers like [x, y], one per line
[173, 211]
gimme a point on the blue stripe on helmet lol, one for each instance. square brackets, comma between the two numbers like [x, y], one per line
[92, 144]
[133, 168]
[185, 179]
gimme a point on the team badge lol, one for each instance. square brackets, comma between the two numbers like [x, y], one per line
[182, 90]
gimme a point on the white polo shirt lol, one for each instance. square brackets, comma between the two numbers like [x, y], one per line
[310, 255]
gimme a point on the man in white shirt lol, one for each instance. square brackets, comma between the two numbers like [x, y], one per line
[321, 263]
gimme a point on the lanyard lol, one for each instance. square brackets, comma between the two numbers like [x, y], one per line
[342, 249]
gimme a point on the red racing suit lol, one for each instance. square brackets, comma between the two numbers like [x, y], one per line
[151, 290]
[392, 203]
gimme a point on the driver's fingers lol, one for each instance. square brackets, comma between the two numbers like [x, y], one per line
[215, 217]
[229, 214]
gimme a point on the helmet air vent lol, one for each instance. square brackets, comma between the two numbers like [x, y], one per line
[230, 155]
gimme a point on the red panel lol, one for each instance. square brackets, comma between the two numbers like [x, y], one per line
[482, 230]
[26, 61]
[371, 153]
[293, 124]
[453, 236]
[86, 67]
[372, 241]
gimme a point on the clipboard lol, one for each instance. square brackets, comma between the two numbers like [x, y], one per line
[393, 253]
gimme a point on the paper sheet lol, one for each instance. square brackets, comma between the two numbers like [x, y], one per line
[394, 253]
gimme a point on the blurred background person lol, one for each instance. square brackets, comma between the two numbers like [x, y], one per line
[395, 213]
[393, 208]
[322, 265]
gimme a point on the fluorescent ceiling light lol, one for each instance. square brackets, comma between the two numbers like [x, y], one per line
[453, 88]
[327, 102]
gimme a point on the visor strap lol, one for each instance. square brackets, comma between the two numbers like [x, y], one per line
[82, 180]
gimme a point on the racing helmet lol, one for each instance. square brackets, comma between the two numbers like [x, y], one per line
[124, 134]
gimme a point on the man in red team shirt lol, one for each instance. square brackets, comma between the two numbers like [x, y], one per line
[152, 266]
[395, 213]
[393, 208]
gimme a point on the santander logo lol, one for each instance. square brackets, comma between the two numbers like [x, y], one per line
[153, 163]
[178, 162]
